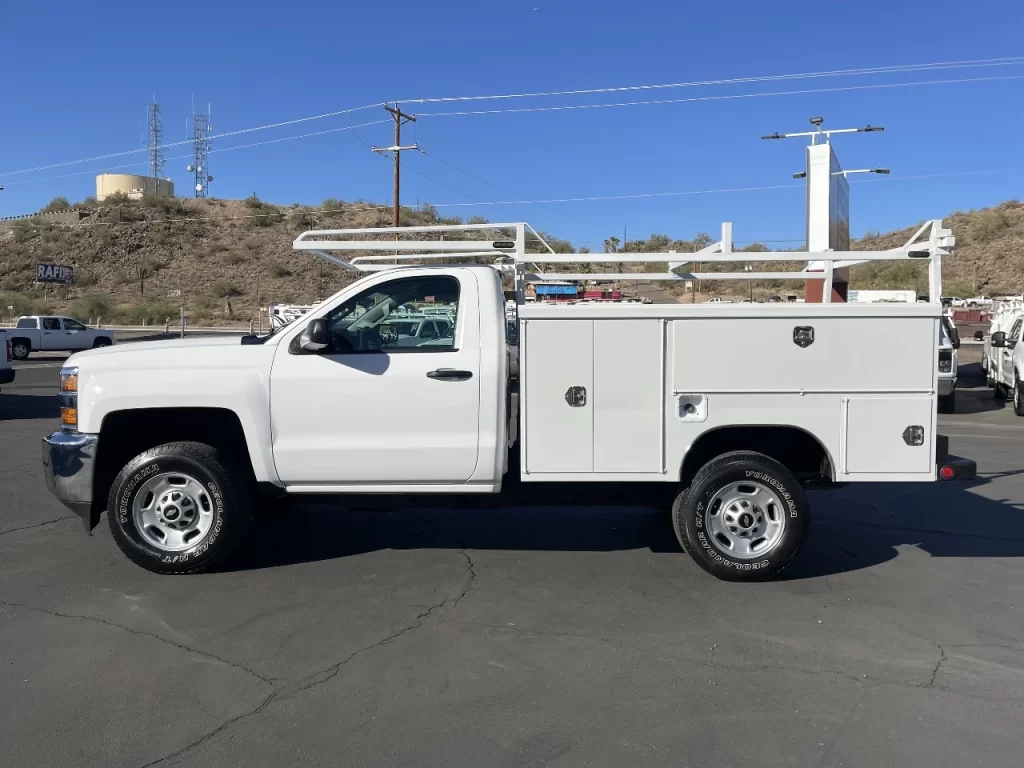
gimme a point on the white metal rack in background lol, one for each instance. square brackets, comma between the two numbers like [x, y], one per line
[505, 245]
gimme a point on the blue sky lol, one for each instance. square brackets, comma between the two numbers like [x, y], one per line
[86, 71]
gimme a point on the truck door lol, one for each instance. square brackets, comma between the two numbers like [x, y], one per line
[366, 410]
[1006, 353]
[76, 335]
[51, 334]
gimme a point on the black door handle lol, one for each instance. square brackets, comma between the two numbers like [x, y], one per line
[449, 373]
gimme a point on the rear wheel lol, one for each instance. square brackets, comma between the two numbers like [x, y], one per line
[20, 349]
[999, 391]
[179, 508]
[744, 517]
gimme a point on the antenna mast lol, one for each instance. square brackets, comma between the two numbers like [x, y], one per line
[155, 143]
[201, 143]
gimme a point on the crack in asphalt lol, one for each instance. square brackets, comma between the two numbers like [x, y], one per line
[142, 633]
[285, 692]
[938, 666]
[36, 525]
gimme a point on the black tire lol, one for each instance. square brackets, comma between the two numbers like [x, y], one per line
[1018, 396]
[228, 502]
[947, 403]
[999, 391]
[101, 342]
[690, 514]
[21, 348]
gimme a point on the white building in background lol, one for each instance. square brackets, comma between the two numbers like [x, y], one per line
[131, 185]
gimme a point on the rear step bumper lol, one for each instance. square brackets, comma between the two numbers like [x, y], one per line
[947, 468]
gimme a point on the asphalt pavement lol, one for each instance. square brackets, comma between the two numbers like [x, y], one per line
[557, 627]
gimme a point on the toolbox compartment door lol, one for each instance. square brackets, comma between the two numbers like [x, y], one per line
[875, 430]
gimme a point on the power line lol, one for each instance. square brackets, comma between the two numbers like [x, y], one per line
[894, 69]
[619, 197]
[182, 157]
[965, 64]
[503, 189]
[723, 97]
[189, 141]
[645, 195]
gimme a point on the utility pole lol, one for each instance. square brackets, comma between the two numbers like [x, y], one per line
[400, 119]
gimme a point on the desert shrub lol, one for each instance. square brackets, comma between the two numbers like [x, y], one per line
[225, 289]
[277, 269]
[232, 258]
[57, 204]
[153, 312]
[93, 305]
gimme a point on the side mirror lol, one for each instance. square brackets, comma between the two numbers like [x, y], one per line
[999, 339]
[315, 338]
[956, 339]
[979, 335]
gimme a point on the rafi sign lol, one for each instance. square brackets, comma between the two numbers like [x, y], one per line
[54, 273]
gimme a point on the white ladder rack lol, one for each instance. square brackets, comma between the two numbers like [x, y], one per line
[505, 245]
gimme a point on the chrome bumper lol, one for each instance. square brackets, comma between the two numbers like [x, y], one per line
[69, 463]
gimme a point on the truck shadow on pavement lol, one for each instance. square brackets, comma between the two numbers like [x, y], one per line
[852, 529]
[14, 406]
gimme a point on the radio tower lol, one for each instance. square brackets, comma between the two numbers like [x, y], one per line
[155, 143]
[200, 150]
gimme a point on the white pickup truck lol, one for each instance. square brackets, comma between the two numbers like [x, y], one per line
[174, 438]
[44, 334]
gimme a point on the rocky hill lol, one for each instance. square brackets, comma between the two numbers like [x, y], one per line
[229, 257]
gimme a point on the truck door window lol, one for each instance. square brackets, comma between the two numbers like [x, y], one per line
[73, 325]
[51, 323]
[383, 318]
[1015, 331]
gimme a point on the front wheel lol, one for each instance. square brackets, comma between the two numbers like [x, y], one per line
[179, 508]
[744, 517]
[101, 342]
[1018, 397]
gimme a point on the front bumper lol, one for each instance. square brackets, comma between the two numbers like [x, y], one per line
[69, 463]
[6, 376]
[946, 387]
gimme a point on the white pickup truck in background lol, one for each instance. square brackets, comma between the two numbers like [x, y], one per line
[174, 438]
[39, 333]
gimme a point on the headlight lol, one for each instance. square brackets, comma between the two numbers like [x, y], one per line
[68, 398]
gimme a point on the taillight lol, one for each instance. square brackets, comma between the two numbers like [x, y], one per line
[945, 360]
[10, 351]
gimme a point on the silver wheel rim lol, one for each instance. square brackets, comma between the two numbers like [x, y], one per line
[19, 350]
[173, 511]
[746, 519]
